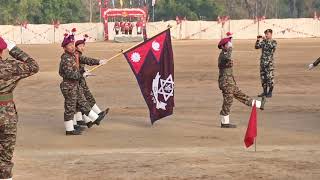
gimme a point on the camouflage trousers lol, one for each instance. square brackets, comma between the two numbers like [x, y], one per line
[87, 93]
[230, 91]
[8, 134]
[267, 76]
[73, 98]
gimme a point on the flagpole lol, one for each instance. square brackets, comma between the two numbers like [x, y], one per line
[124, 51]
[255, 144]
[113, 57]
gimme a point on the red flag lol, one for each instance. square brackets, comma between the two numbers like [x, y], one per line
[152, 64]
[251, 133]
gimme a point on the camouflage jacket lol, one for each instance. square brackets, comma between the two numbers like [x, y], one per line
[70, 70]
[86, 61]
[12, 70]
[268, 48]
[225, 65]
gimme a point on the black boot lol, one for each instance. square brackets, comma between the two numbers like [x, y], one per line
[101, 116]
[269, 95]
[89, 124]
[265, 92]
[73, 133]
[228, 126]
[81, 123]
[79, 128]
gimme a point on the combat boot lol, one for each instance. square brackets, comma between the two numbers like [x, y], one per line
[89, 124]
[81, 123]
[102, 114]
[225, 122]
[79, 128]
[70, 130]
[228, 126]
[73, 133]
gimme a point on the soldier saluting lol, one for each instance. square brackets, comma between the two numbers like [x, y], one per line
[268, 46]
[228, 85]
[12, 70]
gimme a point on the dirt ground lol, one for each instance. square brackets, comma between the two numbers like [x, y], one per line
[188, 145]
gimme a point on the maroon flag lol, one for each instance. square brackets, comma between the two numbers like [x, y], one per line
[152, 64]
[251, 133]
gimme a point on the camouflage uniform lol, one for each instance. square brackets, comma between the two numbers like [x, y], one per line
[266, 61]
[70, 88]
[83, 84]
[11, 72]
[228, 85]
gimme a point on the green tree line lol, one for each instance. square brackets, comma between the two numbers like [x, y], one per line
[67, 11]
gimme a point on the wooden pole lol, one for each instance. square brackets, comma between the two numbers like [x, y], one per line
[255, 144]
[90, 6]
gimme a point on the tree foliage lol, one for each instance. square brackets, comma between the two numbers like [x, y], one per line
[67, 11]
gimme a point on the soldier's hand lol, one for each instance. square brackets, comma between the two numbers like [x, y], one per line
[311, 66]
[10, 44]
[87, 74]
[102, 62]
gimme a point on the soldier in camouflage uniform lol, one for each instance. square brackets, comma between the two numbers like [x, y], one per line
[80, 47]
[12, 70]
[70, 88]
[268, 46]
[228, 85]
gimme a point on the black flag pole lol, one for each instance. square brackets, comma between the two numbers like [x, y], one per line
[124, 51]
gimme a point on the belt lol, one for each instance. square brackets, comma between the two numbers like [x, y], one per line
[6, 98]
[71, 80]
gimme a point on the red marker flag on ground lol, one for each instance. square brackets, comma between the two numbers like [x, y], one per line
[152, 64]
[251, 133]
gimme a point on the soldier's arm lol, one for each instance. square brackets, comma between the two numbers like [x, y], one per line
[274, 45]
[89, 61]
[258, 44]
[227, 59]
[25, 66]
[69, 69]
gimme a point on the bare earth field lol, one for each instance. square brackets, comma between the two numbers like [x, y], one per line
[188, 145]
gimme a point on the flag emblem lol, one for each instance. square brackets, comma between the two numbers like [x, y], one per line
[155, 46]
[135, 57]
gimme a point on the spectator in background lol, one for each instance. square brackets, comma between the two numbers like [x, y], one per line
[130, 28]
[116, 27]
[122, 27]
[126, 28]
[139, 27]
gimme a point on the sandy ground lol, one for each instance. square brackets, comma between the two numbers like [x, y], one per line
[188, 145]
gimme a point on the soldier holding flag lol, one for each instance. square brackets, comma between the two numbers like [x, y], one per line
[12, 70]
[228, 85]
